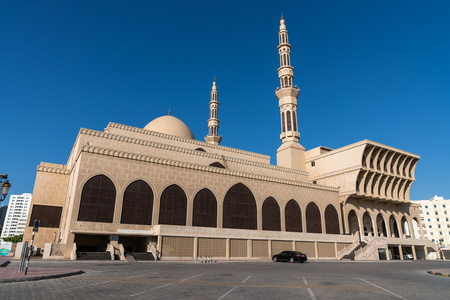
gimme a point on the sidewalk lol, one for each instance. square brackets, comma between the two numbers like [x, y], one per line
[12, 274]
[440, 272]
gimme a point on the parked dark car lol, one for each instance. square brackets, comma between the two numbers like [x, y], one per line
[291, 256]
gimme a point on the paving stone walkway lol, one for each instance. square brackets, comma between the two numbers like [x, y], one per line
[12, 274]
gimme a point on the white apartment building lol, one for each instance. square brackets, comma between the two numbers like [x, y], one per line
[435, 216]
[3, 210]
[16, 215]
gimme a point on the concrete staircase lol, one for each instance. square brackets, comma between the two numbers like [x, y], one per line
[144, 256]
[349, 251]
[93, 256]
[370, 250]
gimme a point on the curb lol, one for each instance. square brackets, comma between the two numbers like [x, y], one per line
[438, 273]
[8, 280]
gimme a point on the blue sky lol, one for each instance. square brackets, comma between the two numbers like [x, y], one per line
[375, 70]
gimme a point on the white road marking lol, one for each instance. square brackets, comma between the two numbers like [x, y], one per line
[155, 288]
[192, 277]
[141, 275]
[161, 286]
[82, 286]
[309, 290]
[224, 295]
[394, 294]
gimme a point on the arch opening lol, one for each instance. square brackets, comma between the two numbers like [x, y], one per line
[331, 220]
[313, 220]
[137, 205]
[239, 208]
[173, 205]
[293, 217]
[204, 209]
[271, 219]
[98, 200]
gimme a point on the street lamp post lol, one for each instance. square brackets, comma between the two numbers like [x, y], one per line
[4, 186]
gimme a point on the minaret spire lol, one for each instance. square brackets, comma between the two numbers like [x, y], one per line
[213, 136]
[291, 154]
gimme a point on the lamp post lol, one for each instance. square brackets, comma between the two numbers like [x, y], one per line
[4, 186]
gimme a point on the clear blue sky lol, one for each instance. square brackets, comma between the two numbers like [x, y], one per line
[377, 70]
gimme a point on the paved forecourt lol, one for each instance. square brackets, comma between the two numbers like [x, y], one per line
[237, 280]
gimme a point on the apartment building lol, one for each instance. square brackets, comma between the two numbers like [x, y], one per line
[16, 215]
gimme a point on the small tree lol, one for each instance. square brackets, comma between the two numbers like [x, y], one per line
[14, 239]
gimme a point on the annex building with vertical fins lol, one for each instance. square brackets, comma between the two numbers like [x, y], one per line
[157, 192]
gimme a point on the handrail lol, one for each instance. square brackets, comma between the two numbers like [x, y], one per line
[154, 251]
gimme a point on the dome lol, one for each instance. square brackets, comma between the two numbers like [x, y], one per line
[170, 125]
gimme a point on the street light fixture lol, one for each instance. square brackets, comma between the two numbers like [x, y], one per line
[4, 186]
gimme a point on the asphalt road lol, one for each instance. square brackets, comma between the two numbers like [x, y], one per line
[237, 280]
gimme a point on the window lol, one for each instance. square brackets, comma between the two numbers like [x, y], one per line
[434, 206]
[426, 206]
[428, 213]
[431, 233]
[98, 199]
[288, 121]
[294, 120]
[439, 226]
[440, 232]
[313, 164]
[429, 226]
[443, 205]
[437, 219]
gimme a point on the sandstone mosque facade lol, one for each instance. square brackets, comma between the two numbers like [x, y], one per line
[158, 190]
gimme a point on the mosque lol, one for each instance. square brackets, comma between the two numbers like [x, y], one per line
[157, 190]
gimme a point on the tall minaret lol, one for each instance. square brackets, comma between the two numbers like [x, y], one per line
[290, 154]
[213, 123]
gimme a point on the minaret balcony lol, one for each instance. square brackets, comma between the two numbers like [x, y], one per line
[288, 93]
[290, 134]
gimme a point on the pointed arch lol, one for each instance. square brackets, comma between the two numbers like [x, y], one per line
[98, 200]
[293, 216]
[393, 226]
[204, 209]
[137, 205]
[381, 226]
[294, 120]
[367, 223]
[313, 220]
[353, 226]
[239, 208]
[288, 120]
[331, 220]
[405, 227]
[271, 219]
[173, 205]
[416, 229]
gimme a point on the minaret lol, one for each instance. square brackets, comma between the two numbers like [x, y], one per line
[213, 123]
[290, 154]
